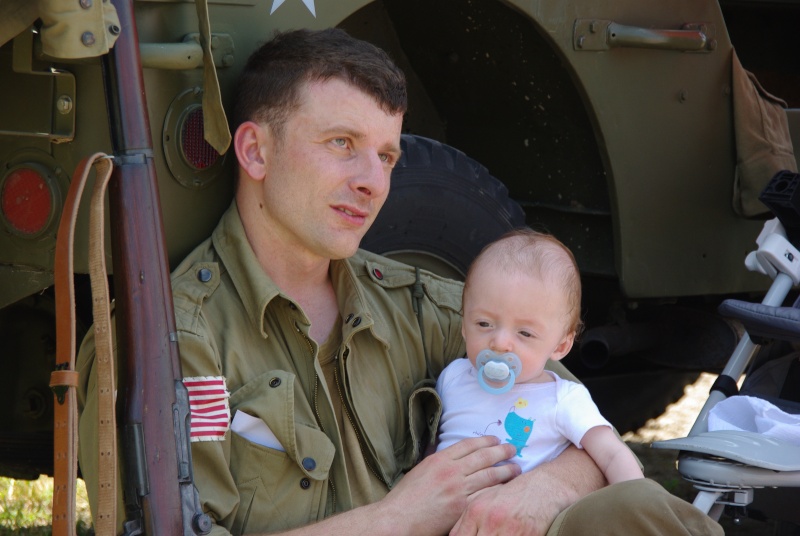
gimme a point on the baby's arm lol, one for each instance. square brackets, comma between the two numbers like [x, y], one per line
[611, 455]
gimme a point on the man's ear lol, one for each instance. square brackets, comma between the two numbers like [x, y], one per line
[250, 143]
[563, 347]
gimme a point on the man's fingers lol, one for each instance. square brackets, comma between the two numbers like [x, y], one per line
[493, 475]
[466, 447]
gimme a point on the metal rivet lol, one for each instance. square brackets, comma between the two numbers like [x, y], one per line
[86, 4]
[87, 38]
[274, 382]
[309, 464]
[114, 29]
[64, 105]
[305, 483]
[204, 275]
[377, 273]
[357, 321]
[348, 319]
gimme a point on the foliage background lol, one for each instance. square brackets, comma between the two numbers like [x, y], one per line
[25, 507]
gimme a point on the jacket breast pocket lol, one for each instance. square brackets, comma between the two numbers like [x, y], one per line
[278, 489]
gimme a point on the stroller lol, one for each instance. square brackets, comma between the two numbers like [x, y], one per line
[747, 471]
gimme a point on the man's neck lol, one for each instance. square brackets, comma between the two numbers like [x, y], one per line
[305, 280]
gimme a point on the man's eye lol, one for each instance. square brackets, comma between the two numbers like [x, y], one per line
[340, 142]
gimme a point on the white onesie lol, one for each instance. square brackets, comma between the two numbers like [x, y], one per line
[539, 419]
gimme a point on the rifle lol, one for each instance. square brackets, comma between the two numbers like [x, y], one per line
[160, 497]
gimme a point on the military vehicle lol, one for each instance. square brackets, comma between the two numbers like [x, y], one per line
[611, 124]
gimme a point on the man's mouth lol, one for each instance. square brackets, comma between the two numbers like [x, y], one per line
[349, 212]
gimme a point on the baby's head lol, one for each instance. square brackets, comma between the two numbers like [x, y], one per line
[529, 252]
[523, 295]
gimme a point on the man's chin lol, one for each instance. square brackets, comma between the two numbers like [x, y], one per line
[342, 251]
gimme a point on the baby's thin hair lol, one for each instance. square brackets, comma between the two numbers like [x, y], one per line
[540, 254]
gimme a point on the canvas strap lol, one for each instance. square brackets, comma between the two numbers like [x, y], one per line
[64, 379]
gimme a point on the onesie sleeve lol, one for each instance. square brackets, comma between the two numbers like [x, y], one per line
[576, 412]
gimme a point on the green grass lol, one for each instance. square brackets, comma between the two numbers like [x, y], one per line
[25, 507]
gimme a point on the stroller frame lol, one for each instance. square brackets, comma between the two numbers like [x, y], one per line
[726, 467]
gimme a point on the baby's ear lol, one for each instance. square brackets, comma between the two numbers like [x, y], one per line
[563, 347]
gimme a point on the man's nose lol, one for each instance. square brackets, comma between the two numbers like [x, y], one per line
[373, 176]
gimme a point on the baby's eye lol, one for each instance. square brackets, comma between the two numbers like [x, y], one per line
[526, 334]
[483, 324]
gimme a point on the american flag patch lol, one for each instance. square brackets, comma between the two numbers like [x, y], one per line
[208, 407]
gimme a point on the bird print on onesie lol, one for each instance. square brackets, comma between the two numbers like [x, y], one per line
[518, 427]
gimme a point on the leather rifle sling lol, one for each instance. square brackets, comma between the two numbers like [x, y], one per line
[64, 379]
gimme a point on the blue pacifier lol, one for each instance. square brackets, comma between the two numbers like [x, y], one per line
[497, 368]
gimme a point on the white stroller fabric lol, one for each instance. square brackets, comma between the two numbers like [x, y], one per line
[751, 414]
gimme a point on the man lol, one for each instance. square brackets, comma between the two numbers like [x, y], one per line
[318, 342]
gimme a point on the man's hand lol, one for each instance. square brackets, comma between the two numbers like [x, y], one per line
[528, 504]
[432, 496]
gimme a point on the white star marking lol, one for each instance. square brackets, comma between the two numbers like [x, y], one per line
[309, 4]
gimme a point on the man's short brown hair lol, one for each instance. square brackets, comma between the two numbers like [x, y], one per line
[269, 89]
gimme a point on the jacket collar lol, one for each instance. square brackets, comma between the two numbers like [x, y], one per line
[256, 289]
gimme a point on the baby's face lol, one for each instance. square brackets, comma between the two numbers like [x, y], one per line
[519, 313]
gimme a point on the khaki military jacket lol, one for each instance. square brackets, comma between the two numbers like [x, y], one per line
[234, 322]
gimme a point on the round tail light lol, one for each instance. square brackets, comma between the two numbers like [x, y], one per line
[27, 200]
[197, 152]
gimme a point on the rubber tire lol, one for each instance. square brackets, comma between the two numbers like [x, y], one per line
[442, 209]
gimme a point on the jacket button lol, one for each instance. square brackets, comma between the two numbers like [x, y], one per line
[348, 319]
[309, 464]
[305, 483]
[377, 273]
[87, 38]
[274, 382]
[357, 321]
[204, 275]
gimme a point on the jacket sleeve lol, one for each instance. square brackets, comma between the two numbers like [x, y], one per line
[219, 497]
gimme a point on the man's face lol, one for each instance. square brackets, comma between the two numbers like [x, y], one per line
[328, 176]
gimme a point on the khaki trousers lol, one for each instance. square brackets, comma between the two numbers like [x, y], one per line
[633, 508]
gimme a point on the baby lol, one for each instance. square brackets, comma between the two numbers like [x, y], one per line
[522, 308]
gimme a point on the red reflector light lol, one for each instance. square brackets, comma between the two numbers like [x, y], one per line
[196, 150]
[27, 202]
